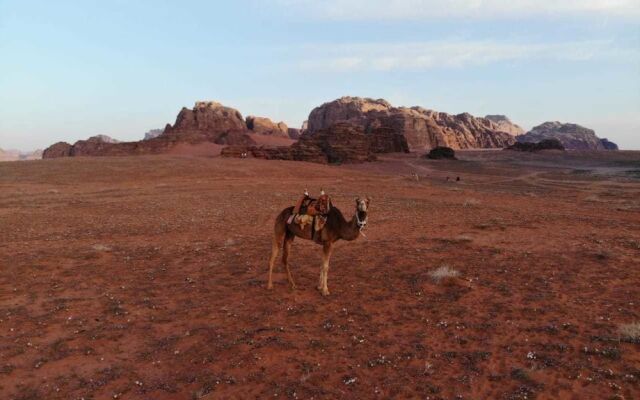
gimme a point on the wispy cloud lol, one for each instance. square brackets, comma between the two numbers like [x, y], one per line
[421, 9]
[452, 54]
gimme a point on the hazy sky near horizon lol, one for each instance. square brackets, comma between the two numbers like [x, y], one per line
[74, 69]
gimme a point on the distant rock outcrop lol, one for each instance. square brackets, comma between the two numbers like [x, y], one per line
[16, 155]
[60, 149]
[9, 155]
[504, 124]
[207, 121]
[293, 133]
[608, 145]
[338, 144]
[103, 138]
[572, 136]
[31, 155]
[423, 129]
[95, 147]
[153, 133]
[264, 126]
[546, 144]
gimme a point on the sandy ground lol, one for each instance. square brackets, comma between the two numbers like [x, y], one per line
[144, 278]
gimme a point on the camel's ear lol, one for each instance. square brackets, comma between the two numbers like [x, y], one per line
[357, 200]
[368, 200]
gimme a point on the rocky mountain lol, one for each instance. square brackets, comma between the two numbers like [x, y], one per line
[340, 143]
[422, 128]
[572, 136]
[608, 145]
[153, 133]
[504, 124]
[294, 133]
[208, 121]
[9, 155]
[97, 146]
[15, 155]
[59, 149]
[264, 126]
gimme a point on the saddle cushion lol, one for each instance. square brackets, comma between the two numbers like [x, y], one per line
[304, 219]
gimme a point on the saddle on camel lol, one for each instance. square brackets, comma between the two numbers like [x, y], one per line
[310, 211]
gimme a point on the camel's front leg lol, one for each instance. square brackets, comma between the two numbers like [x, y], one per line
[324, 272]
[285, 259]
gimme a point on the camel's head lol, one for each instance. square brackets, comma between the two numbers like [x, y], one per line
[362, 210]
[363, 204]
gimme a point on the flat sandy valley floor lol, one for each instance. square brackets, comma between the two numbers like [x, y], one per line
[145, 278]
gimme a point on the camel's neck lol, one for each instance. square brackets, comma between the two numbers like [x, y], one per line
[350, 230]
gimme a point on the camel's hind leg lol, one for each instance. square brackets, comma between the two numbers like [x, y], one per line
[278, 240]
[286, 248]
[324, 271]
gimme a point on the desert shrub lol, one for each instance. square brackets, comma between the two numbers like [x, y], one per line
[443, 272]
[471, 202]
[441, 152]
[630, 331]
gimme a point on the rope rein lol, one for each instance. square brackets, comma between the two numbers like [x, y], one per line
[361, 224]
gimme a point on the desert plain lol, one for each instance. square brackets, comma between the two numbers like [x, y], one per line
[145, 278]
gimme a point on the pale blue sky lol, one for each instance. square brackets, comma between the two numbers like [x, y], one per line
[73, 69]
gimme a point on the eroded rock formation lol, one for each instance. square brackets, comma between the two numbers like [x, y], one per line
[337, 144]
[207, 121]
[264, 126]
[572, 136]
[294, 133]
[546, 144]
[422, 128]
[608, 145]
[60, 149]
[153, 133]
[504, 124]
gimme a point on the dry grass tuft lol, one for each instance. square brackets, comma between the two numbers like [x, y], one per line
[471, 202]
[630, 331]
[443, 272]
[593, 199]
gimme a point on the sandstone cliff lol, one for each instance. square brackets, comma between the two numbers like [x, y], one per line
[504, 124]
[264, 126]
[422, 128]
[340, 143]
[294, 133]
[153, 133]
[207, 121]
[60, 149]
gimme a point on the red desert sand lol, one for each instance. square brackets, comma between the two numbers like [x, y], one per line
[145, 278]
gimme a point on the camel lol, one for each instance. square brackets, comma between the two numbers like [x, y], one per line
[336, 228]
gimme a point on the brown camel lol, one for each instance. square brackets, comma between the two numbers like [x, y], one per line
[336, 228]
